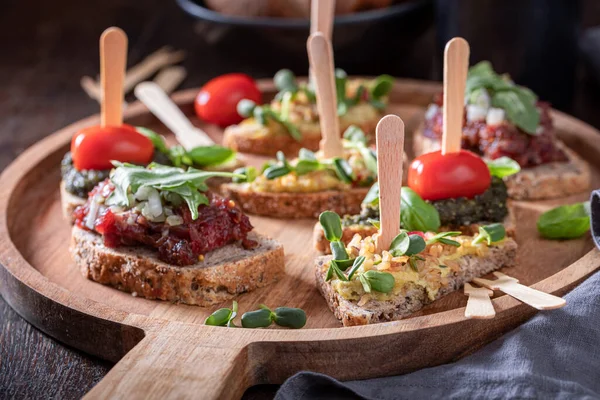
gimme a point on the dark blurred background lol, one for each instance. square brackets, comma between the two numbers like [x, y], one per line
[552, 46]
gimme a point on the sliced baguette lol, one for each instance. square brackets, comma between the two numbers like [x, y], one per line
[322, 244]
[412, 297]
[546, 181]
[224, 273]
[295, 205]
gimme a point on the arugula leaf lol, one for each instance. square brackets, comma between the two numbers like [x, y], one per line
[503, 166]
[128, 178]
[565, 222]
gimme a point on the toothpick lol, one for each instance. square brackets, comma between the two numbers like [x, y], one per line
[390, 150]
[321, 62]
[512, 287]
[456, 65]
[170, 78]
[159, 103]
[479, 305]
[113, 61]
[321, 20]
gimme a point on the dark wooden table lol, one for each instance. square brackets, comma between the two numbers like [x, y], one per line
[47, 47]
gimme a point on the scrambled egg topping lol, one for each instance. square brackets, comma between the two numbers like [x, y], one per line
[316, 181]
[441, 260]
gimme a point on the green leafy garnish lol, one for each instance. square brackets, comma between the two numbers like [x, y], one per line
[285, 81]
[247, 174]
[565, 222]
[261, 318]
[490, 233]
[378, 281]
[442, 237]
[223, 316]
[405, 244]
[518, 102]
[381, 86]
[283, 316]
[332, 225]
[358, 261]
[503, 167]
[129, 178]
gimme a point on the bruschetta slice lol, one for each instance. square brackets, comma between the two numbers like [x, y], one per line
[159, 233]
[291, 121]
[506, 120]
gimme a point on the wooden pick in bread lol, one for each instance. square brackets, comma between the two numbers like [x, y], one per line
[170, 78]
[113, 61]
[512, 287]
[321, 63]
[167, 111]
[480, 305]
[456, 65]
[321, 20]
[390, 150]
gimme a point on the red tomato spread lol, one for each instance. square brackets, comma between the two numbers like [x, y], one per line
[219, 223]
[504, 139]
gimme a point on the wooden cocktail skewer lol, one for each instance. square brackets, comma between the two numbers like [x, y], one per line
[512, 287]
[321, 20]
[320, 56]
[479, 305]
[390, 150]
[170, 78]
[159, 103]
[113, 61]
[456, 65]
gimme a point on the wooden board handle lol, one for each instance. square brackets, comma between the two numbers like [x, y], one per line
[390, 151]
[177, 362]
[113, 61]
[456, 65]
[321, 63]
[532, 297]
[171, 115]
[479, 305]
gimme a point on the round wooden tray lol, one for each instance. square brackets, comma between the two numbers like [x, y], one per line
[164, 350]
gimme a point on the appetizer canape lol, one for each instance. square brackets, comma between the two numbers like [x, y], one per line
[309, 184]
[291, 121]
[159, 233]
[504, 119]
[394, 273]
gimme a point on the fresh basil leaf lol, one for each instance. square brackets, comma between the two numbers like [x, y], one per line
[503, 166]
[304, 167]
[417, 215]
[400, 244]
[358, 261]
[379, 281]
[276, 171]
[343, 170]
[332, 225]
[306, 154]
[285, 80]
[210, 155]
[519, 109]
[381, 86]
[158, 141]
[565, 222]
[354, 134]
[338, 250]
[245, 108]
[490, 233]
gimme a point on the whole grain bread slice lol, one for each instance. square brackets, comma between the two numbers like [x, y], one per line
[322, 244]
[412, 297]
[223, 274]
[295, 205]
[546, 181]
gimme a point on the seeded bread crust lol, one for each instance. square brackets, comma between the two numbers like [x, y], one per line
[224, 273]
[546, 181]
[295, 205]
[413, 297]
[322, 244]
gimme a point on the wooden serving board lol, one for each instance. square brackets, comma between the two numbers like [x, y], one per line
[163, 350]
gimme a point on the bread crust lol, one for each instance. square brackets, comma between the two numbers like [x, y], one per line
[69, 202]
[224, 273]
[413, 297]
[546, 181]
[295, 205]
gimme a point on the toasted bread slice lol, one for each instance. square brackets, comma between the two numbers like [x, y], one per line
[546, 181]
[224, 273]
[322, 244]
[295, 205]
[69, 202]
[412, 297]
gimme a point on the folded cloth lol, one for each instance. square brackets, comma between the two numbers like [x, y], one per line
[555, 355]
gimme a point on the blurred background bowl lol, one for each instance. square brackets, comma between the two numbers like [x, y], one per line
[383, 37]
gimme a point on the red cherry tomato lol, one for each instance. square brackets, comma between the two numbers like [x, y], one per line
[435, 176]
[217, 101]
[96, 146]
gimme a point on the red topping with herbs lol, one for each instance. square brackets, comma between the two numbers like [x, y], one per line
[219, 223]
[504, 139]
